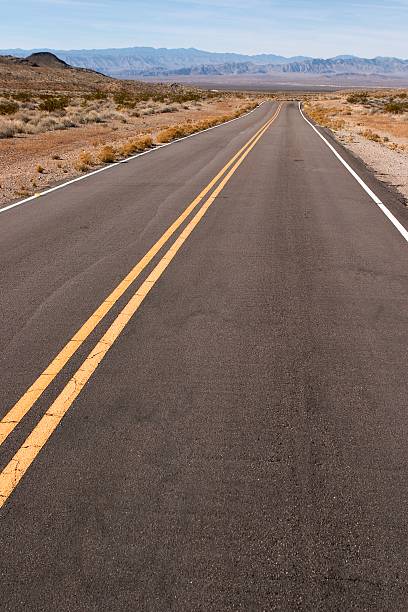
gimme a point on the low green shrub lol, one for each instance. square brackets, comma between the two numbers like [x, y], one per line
[359, 97]
[52, 103]
[96, 95]
[23, 96]
[396, 108]
[8, 107]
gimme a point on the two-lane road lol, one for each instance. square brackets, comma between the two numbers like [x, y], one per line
[203, 394]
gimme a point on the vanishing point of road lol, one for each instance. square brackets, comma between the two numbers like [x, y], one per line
[203, 394]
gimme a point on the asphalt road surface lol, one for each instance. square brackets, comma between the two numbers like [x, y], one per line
[229, 431]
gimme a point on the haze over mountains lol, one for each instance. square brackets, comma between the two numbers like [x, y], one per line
[144, 62]
[147, 61]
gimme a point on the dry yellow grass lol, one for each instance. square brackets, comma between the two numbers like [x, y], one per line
[185, 129]
[327, 117]
[389, 124]
[107, 155]
[172, 133]
[84, 161]
[137, 145]
[370, 135]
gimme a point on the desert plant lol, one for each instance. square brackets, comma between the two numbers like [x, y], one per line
[127, 149]
[7, 129]
[171, 133]
[96, 95]
[24, 117]
[370, 135]
[326, 117]
[11, 127]
[396, 108]
[358, 97]
[46, 124]
[84, 161]
[23, 96]
[136, 146]
[107, 154]
[7, 107]
[169, 109]
[92, 117]
[185, 129]
[51, 103]
[144, 142]
[124, 99]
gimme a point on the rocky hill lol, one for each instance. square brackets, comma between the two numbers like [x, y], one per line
[45, 59]
[45, 72]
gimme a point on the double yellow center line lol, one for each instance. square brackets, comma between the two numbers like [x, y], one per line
[19, 464]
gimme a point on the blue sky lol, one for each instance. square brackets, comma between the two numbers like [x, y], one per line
[288, 27]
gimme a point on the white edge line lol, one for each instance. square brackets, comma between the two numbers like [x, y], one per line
[376, 199]
[122, 161]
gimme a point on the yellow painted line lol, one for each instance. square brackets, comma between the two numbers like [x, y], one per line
[26, 402]
[19, 464]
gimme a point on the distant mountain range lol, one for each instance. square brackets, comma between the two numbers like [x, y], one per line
[138, 62]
